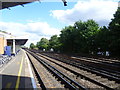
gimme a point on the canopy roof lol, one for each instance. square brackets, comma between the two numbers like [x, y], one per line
[12, 3]
[18, 41]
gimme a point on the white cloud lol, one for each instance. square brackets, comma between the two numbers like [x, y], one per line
[42, 28]
[100, 10]
[33, 31]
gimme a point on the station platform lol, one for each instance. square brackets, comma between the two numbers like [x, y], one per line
[17, 73]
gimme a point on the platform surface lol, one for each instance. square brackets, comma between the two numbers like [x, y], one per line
[17, 73]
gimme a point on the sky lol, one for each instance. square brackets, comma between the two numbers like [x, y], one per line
[46, 18]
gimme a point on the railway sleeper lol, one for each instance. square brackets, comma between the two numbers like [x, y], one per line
[59, 78]
[112, 85]
[77, 61]
[102, 79]
[82, 75]
[90, 73]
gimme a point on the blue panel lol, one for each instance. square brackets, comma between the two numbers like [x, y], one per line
[8, 50]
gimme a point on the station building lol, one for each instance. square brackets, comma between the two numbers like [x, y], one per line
[10, 44]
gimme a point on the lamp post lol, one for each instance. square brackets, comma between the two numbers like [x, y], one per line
[65, 2]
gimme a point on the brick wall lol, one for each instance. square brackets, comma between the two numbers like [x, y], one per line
[2, 45]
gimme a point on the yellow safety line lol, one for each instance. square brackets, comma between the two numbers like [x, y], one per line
[18, 79]
[8, 85]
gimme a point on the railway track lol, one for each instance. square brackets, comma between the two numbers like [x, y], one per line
[92, 66]
[90, 59]
[108, 65]
[98, 80]
[106, 60]
[102, 61]
[68, 83]
[86, 75]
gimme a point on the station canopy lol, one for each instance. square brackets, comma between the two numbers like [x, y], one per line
[18, 41]
[11, 3]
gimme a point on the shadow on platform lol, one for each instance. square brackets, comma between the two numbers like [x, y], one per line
[11, 81]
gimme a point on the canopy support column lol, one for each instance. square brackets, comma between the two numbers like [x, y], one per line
[14, 46]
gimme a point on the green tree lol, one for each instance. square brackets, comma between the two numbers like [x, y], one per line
[114, 27]
[102, 40]
[54, 43]
[80, 37]
[32, 46]
[90, 33]
[67, 39]
[43, 44]
[85, 35]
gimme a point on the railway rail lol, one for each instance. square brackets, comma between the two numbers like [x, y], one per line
[103, 61]
[115, 64]
[69, 83]
[87, 76]
[93, 66]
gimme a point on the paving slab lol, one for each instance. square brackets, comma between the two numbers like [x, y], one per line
[17, 73]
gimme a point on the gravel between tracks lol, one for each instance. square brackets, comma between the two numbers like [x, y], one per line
[84, 82]
[105, 81]
[48, 80]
